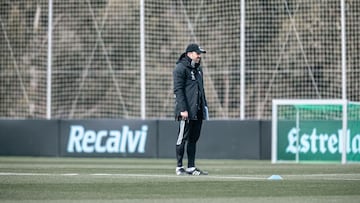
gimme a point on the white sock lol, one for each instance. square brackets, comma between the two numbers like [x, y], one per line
[190, 169]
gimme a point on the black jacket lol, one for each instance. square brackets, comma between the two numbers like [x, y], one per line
[189, 89]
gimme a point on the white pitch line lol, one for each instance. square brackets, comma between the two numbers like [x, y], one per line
[174, 176]
[329, 176]
[129, 175]
[37, 174]
[69, 174]
[24, 174]
[348, 177]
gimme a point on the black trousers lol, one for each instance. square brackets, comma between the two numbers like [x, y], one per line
[189, 133]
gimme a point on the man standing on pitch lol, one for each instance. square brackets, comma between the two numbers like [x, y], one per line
[190, 107]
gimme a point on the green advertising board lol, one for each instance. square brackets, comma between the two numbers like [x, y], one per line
[317, 140]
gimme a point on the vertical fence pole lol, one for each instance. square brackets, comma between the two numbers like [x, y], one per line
[48, 78]
[343, 80]
[142, 60]
[242, 60]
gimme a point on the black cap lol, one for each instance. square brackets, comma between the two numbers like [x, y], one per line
[194, 47]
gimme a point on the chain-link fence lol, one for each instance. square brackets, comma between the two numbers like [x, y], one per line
[292, 50]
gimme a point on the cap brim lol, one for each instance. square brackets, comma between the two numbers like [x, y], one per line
[201, 51]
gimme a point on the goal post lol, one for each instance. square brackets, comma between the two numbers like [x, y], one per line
[315, 131]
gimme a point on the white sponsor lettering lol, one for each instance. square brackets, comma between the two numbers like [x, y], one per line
[355, 144]
[107, 141]
[321, 142]
[332, 143]
[292, 137]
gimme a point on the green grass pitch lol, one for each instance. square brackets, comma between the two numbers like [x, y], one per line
[35, 179]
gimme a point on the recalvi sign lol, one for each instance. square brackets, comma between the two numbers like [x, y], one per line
[109, 138]
[107, 141]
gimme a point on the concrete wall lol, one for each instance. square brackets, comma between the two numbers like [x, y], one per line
[220, 139]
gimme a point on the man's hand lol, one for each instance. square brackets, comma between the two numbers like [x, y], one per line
[184, 115]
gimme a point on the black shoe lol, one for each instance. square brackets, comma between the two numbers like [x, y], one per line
[180, 171]
[196, 172]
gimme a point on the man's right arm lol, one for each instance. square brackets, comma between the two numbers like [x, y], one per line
[179, 87]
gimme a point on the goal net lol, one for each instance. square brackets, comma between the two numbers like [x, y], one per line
[313, 131]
